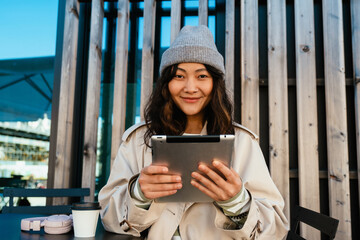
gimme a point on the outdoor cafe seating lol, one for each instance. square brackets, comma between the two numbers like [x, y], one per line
[78, 193]
[11, 214]
[325, 224]
[14, 182]
[292, 70]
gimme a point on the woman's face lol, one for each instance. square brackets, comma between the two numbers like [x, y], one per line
[191, 88]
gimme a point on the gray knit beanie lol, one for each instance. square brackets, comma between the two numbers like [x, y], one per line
[193, 44]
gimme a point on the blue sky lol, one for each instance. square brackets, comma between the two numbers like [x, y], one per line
[27, 28]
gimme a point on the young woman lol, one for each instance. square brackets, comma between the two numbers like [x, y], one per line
[190, 98]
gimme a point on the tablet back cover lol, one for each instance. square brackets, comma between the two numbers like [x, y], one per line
[182, 154]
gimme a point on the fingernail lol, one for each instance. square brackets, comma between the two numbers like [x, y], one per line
[178, 179]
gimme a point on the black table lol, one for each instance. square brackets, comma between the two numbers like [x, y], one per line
[10, 229]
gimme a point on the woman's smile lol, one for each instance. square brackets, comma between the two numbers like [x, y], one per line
[190, 99]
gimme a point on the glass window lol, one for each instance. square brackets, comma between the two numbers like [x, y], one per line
[212, 4]
[165, 30]
[166, 5]
[26, 85]
[192, 4]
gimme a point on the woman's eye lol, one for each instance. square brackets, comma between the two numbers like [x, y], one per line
[179, 76]
[203, 76]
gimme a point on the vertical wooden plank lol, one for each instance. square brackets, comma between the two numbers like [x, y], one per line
[175, 18]
[229, 47]
[147, 65]
[355, 26]
[308, 158]
[278, 99]
[250, 65]
[120, 77]
[61, 174]
[203, 12]
[336, 125]
[55, 97]
[93, 98]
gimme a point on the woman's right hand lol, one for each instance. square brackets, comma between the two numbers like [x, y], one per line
[156, 181]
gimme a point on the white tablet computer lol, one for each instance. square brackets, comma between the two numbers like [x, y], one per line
[182, 154]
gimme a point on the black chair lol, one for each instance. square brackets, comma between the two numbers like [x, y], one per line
[56, 192]
[323, 223]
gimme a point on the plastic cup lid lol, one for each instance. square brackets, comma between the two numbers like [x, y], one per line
[86, 206]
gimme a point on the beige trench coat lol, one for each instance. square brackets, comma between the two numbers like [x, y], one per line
[195, 220]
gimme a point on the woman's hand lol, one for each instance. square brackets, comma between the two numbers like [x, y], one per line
[156, 181]
[217, 188]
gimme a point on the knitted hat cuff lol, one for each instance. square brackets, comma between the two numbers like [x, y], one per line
[192, 53]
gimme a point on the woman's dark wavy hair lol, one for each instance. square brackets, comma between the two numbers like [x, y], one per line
[162, 116]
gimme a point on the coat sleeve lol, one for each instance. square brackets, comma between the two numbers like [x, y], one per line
[266, 219]
[119, 213]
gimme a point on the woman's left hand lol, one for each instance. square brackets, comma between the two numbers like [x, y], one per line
[219, 189]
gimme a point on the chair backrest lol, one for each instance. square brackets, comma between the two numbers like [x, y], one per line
[12, 182]
[56, 192]
[323, 223]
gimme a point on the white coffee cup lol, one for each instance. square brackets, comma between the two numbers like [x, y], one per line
[85, 218]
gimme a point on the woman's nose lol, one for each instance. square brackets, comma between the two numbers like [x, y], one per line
[191, 85]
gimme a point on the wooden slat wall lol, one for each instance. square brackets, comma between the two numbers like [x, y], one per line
[203, 12]
[93, 98]
[229, 47]
[120, 78]
[64, 135]
[336, 123]
[147, 66]
[355, 26]
[278, 99]
[250, 66]
[306, 82]
[307, 122]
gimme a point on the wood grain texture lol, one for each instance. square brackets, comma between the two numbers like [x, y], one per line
[147, 65]
[92, 98]
[250, 66]
[307, 121]
[175, 18]
[336, 122]
[66, 102]
[120, 77]
[230, 48]
[278, 99]
[64, 133]
[203, 12]
[355, 27]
